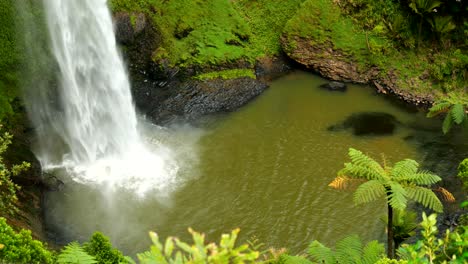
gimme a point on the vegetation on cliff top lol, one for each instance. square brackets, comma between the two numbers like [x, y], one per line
[425, 53]
[8, 58]
[214, 32]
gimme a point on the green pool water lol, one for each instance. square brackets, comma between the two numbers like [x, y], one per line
[264, 168]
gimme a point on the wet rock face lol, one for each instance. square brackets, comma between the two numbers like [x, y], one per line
[334, 86]
[128, 26]
[191, 99]
[368, 123]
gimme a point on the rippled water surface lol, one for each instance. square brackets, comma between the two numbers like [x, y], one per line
[264, 168]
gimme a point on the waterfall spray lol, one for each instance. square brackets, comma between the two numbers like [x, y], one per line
[94, 120]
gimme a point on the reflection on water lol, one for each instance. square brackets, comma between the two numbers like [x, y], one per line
[264, 168]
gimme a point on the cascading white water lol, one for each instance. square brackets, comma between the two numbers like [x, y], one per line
[96, 120]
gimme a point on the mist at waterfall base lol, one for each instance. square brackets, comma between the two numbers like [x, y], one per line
[91, 131]
[88, 135]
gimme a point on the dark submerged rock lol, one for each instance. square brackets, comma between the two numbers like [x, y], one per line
[368, 123]
[334, 86]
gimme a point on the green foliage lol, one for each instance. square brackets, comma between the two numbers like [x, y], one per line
[227, 74]
[176, 251]
[101, 249]
[73, 253]
[456, 109]
[7, 187]
[398, 183]
[452, 248]
[21, 247]
[8, 58]
[214, 31]
[267, 20]
[404, 225]
[348, 250]
[463, 172]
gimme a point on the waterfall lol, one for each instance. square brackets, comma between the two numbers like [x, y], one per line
[91, 114]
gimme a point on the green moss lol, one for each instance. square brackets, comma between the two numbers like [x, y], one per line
[266, 20]
[214, 32]
[8, 58]
[227, 74]
[367, 43]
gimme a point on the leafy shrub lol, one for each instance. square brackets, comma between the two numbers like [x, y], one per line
[7, 187]
[101, 248]
[176, 251]
[453, 247]
[21, 247]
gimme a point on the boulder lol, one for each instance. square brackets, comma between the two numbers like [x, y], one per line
[334, 86]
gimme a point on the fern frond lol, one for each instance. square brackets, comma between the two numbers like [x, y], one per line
[358, 171]
[73, 253]
[397, 197]
[372, 252]
[368, 192]
[340, 183]
[288, 259]
[423, 178]
[458, 113]
[348, 250]
[362, 160]
[438, 108]
[447, 124]
[404, 168]
[424, 196]
[321, 253]
[446, 195]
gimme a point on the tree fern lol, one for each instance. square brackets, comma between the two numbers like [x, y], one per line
[397, 197]
[368, 192]
[73, 253]
[423, 178]
[397, 184]
[404, 168]
[363, 161]
[425, 196]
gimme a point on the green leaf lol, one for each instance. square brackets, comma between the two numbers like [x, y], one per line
[458, 113]
[425, 196]
[372, 252]
[447, 124]
[404, 168]
[321, 253]
[397, 199]
[349, 250]
[73, 253]
[423, 178]
[368, 192]
[438, 108]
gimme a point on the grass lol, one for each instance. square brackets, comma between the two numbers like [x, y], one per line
[226, 74]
